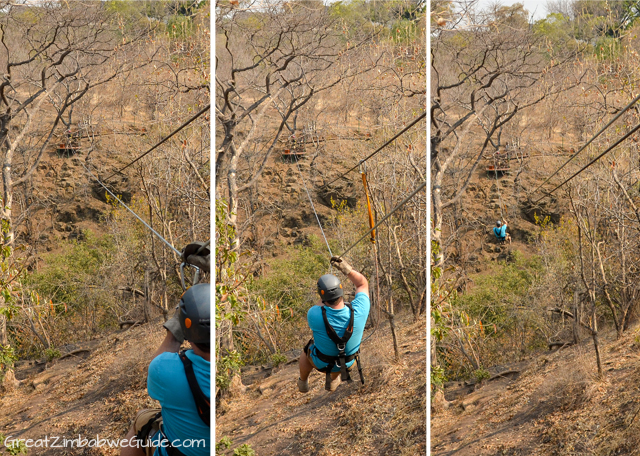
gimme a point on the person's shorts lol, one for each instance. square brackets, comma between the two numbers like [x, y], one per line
[307, 351]
[141, 419]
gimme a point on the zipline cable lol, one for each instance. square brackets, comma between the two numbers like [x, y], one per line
[625, 109]
[501, 204]
[636, 128]
[313, 207]
[422, 116]
[420, 187]
[205, 109]
[134, 214]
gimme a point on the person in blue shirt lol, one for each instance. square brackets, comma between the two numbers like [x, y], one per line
[500, 231]
[180, 381]
[338, 315]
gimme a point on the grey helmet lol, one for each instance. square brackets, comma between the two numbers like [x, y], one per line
[498, 223]
[195, 313]
[329, 288]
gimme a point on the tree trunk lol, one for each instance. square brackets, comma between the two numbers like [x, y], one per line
[147, 297]
[596, 346]
[392, 325]
[45, 342]
[3, 330]
[414, 305]
[576, 317]
[232, 181]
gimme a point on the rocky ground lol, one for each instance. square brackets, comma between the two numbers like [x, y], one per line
[550, 404]
[94, 392]
[385, 416]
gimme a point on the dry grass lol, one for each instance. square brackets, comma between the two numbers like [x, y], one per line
[557, 406]
[386, 416]
[99, 394]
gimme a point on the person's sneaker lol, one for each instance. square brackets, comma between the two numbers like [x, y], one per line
[331, 385]
[303, 386]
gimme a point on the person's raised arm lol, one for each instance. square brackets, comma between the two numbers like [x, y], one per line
[357, 279]
[174, 338]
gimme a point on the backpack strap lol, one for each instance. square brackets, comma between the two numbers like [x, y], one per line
[202, 401]
[341, 342]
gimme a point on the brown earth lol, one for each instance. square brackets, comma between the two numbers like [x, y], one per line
[95, 393]
[554, 406]
[552, 403]
[385, 416]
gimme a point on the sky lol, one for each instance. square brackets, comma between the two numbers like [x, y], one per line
[530, 5]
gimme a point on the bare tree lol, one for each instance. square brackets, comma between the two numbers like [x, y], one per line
[485, 72]
[270, 60]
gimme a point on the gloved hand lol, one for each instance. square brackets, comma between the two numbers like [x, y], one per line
[201, 259]
[341, 265]
[173, 326]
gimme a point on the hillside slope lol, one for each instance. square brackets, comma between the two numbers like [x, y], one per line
[94, 393]
[385, 416]
[554, 405]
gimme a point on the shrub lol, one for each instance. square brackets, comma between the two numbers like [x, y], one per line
[224, 443]
[226, 367]
[244, 450]
[278, 359]
[52, 353]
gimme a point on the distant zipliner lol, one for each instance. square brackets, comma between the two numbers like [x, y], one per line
[500, 231]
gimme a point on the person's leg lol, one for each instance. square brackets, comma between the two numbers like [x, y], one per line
[305, 367]
[129, 450]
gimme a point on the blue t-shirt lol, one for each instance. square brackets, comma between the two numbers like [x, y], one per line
[501, 232]
[167, 383]
[339, 320]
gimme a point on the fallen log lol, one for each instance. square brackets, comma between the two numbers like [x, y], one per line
[130, 323]
[75, 352]
[504, 374]
[560, 345]
[560, 311]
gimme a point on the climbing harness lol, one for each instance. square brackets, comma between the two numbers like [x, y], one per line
[341, 343]
[202, 111]
[180, 254]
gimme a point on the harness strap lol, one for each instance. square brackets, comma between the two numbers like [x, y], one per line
[171, 450]
[144, 436]
[333, 360]
[332, 332]
[202, 401]
[143, 433]
[341, 342]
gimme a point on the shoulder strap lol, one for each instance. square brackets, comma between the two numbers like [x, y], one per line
[332, 332]
[202, 401]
